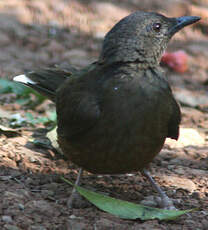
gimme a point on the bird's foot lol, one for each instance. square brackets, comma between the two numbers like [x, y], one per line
[165, 203]
[157, 201]
[77, 201]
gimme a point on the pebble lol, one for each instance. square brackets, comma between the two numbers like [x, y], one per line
[21, 207]
[99, 35]
[7, 219]
[190, 99]
[76, 225]
[41, 206]
[178, 182]
[23, 192]
[5, 178]
[10, 227]
[104, 223]
[187, 137]
[13, 195]
[72, 217]
[148, 203]
[37, 227]
[199, 172]
[32, 159]
[180, 171]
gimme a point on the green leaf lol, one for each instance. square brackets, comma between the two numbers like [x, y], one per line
[23, 101]
[52, 116]
[125, 209]
[20, 90]
[7, 86]
[37, 120]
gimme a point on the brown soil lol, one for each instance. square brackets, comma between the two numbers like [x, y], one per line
[43, 33]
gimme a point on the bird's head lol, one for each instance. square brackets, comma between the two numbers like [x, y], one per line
[141, 37]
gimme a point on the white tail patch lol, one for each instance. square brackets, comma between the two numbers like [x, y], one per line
[24, 79]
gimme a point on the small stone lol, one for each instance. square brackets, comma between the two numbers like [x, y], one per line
[7, 219]
[198, 172]
[10, 227]
[37, 227]
[32, 160]
[5, 178]
[99, 34]
[52, 186]
[188, 137]
[76, 225]
[40, 206]
[13, 195]
[23, 192]
[47, 193]
[149, 203]
[190, 98]
[176, 201]
[72, 217]
[180, 171]
[104, 223]
[21, 207]
[170, 167]
[181, 183]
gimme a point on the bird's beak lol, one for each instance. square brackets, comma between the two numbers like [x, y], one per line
[182, 22]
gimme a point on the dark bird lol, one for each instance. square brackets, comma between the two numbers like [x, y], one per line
[114, 115]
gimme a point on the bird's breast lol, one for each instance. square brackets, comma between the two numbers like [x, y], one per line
[131, 130]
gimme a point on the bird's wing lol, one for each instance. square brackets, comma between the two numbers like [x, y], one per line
[175, 119]
[77, 112]
[77, 103]
[175, 113]
[46, 81]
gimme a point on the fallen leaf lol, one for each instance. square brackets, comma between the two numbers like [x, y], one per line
[125, 209]
[9, 131]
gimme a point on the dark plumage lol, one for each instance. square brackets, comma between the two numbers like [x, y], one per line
[114, 115]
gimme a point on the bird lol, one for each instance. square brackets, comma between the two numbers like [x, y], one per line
[114, 115]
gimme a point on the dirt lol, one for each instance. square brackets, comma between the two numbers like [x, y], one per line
[38, 33]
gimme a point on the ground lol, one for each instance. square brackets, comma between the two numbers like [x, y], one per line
[38, 33]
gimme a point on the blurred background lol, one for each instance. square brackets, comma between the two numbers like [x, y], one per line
[35, 33]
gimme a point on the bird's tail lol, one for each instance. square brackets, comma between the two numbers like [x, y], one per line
[45, 81]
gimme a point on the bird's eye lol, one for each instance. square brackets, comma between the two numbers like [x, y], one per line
[157, 27]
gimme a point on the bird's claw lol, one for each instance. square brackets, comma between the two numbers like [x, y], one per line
[165, 203]
[77, 201]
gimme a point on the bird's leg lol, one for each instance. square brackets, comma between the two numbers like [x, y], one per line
[74, 192]
[166, 202]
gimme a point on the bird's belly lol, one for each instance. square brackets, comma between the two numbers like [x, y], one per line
[107, 153]
[126, 138]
